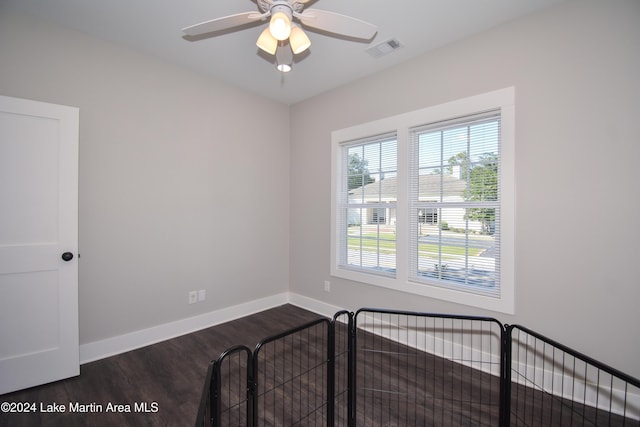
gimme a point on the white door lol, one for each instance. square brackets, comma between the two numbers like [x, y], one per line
[38, 224]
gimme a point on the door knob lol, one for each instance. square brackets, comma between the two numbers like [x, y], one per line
[67, 256]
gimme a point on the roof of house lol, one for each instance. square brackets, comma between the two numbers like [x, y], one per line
[431, 187]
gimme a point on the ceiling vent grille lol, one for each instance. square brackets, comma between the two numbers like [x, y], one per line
[383, 48]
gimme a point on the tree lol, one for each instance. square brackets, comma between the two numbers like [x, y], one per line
[358, 172]
[483, 186]
[461, 159]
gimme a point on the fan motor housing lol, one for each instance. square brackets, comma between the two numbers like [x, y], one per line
[268, 5]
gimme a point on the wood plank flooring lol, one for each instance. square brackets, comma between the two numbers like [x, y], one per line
[168, 377]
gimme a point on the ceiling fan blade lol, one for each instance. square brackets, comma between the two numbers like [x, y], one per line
[221, 24]
[338, 24]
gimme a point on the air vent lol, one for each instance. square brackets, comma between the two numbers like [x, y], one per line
[383, 48]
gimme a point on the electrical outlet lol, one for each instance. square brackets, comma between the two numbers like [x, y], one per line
[193, 297]
[202, 295]
[327, 286]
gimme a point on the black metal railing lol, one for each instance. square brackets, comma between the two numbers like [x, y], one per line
[226, 397]
[380, 367]
[552, 384]
[292, 377]
[413, 368]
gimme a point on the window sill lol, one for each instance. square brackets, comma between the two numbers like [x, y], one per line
[502, 304]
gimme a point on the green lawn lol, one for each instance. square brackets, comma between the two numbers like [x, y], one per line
[387, 245]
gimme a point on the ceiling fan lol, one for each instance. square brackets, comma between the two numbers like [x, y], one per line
[283, 37]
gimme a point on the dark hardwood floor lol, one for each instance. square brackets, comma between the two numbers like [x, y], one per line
[168, 377]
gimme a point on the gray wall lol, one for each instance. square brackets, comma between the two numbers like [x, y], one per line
[576, 72]
[183, 180]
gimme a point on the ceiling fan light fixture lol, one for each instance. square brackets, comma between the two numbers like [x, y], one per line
[266, 42]
[280, 24]
[282, 38]
[298, 40]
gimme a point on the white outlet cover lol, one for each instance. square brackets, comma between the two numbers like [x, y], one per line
[193, 297]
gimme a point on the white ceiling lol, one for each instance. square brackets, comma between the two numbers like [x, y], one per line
[154, 27]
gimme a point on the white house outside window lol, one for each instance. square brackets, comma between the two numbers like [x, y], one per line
[423, 202]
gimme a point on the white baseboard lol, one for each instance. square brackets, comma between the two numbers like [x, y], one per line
[322, 308]
[122, 343]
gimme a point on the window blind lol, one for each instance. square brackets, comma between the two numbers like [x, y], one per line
[454, 203]
[367, 204]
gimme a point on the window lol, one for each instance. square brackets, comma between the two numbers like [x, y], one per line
[454, 184]
[367, 203]
[423, 202]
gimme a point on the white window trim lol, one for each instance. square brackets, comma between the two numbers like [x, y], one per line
[503, 99]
